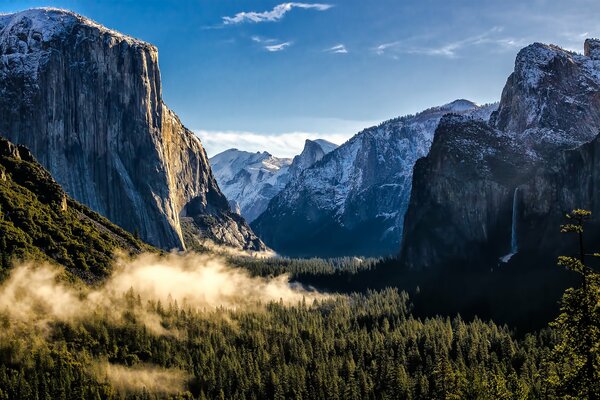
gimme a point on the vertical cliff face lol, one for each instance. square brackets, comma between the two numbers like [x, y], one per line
[459, 208]
[549, 106]
[87, 101]
[572, 181]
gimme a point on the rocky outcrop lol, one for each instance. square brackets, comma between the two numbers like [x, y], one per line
[353, 201]
[313, 151]
[251, 180]
[591, 48]
[479, 198]
[87, 101]
[552, 99]
[459, 203]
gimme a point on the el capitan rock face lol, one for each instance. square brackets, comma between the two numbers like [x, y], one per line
[352, 202]
[473, 196]
[87, 101]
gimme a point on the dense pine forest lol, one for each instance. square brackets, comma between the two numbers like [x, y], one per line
[356, 347]
[342, 346]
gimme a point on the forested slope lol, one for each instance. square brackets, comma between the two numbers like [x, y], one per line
[38, 221]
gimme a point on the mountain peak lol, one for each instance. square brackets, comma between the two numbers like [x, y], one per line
[459, 105]
[46, 23]
[326, 145]
[569, 82]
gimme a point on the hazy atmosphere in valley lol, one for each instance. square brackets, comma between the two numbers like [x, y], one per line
[299, 200]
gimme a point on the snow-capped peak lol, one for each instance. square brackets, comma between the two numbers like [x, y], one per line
[327, 146]
[458, 106]
[251, 180]
[47, 22]
[569, 82]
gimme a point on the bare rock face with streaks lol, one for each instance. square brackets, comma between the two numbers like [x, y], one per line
[87, 101]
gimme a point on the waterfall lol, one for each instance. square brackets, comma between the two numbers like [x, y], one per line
[514, 243]
[514, 240]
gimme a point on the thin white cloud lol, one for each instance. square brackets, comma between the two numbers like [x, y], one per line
[260, 39]
[337, 49]
[281, 145]
[278, 47]
[276, 14]
[380, 49]
[452, 49]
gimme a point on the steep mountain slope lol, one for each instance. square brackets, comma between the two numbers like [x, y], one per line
[251, 180]
[476, 206]
[353, 201]
[87, 101]
[39, 221]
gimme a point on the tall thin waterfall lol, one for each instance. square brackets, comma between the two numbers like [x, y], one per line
[514, 240]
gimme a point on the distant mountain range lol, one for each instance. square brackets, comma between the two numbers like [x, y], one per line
[353, 201]
[251, 180]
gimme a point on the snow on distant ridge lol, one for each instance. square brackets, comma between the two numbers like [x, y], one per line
[250, 180]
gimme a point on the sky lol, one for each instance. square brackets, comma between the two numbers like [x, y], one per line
[265, 75]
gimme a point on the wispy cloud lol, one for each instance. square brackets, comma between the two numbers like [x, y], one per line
[380, 49]
[270, 44]
[281, 145]
[451, 49]
[276, 14]
[260, 39]
[278, 47]
[337, 49]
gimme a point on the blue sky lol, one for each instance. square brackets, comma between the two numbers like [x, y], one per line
[268, 74]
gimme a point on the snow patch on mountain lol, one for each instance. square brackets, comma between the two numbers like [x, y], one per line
[251, 180]
[548, 95]
[26, 38]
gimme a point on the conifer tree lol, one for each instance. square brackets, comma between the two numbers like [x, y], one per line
[577, 354]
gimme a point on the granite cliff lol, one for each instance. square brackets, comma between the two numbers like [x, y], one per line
[88, 103]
